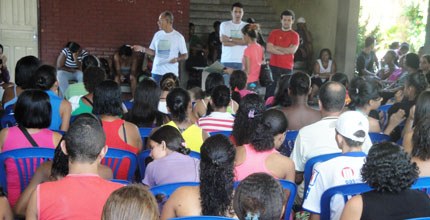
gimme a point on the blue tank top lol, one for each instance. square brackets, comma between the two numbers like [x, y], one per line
[55, 115]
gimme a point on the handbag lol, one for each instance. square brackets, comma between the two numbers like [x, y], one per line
[265, 77]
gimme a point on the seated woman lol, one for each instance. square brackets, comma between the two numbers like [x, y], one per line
[168, 152]
[120, 134]
[144, 112]
[299, 113]
[125, 66]
[324, 68]
[248, 115]
[168, 82]
[33, 115]
[219, 119]
[365, 97]
[92, 77]
[260, 154]
[391, 72]
[44, 79]
[179, 104]
[237, 82]
[203, 106]
[69, 65]
[259, 196]
[52, 171]
[418, 112]
[131, 202]
[425, 66]
[421, 146]
[215, 193]
[389, 171]
[24, 69]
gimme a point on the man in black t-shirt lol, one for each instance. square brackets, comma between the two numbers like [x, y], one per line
[367, 60]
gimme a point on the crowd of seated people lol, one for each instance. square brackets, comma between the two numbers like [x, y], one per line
[330, 113]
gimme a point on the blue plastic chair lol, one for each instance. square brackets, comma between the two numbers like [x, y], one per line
[290, 202]
[114, 158]
[201, 218]
[128, 105]
[26, 160]
[422, 183]
[225, 133]
[384, 110]
[124, 182]
[345, 191]
[141, 158]
[288, 145]
[8, 120]
[168, 189]
[378, 137]
[309, 167]
[144, 134]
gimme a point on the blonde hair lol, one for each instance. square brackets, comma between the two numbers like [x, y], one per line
[131, 202]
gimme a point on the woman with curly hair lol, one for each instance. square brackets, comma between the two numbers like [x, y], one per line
[248, 115]
[169, 153]
[365, 97]
[389, 171]
[260, 155]
[299, 113]
[144, 112]
[421, 146]
[215, 193]
[259, 196]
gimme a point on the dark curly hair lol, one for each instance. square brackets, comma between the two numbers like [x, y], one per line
[388, 168]
[169, 81]
[216, 175]
[361, 91]
[421, 139]
[272, 123]
[171, 136]
[281, 95]
[259, 194]
[300, 84]
[177, 101]
[237, 81]
[248, 116]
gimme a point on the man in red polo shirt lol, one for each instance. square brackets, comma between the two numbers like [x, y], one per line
[282, 44]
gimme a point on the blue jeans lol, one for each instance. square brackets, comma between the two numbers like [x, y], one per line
[63, 78]
[157, 78]
[236, 66]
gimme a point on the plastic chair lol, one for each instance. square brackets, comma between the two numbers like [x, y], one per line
[288, 145]
[167, 189]
[144, 134]
[141, 158]
[384, 110]
[8, 120]
[309, 167]
[128, 105]
[124, 182]
[422, 183]
[201, 218]
[345, 191]
[26, 160]
[114, 158]
[290, 202]
[378, 137]
[225, 133]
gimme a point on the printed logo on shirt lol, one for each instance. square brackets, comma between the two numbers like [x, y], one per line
[314, 176]
[349, 175]
[163, 49]
[235, 33]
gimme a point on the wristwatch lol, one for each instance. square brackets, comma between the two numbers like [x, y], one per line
[230, 39]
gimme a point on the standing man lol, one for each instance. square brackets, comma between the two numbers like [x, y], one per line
[367, 60]
[232, 41]
[168, 46]
[282, 44]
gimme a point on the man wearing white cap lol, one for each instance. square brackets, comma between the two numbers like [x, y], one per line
[351, 132]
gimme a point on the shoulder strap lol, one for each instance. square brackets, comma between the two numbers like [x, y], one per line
[125, 134]
[28, 136]
[88, 100]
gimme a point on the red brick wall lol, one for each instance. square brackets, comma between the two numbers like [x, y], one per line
[101, 26]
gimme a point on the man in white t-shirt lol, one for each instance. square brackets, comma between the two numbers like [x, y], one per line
[319, 138]
[351, 129]
[168, 46]
[232, 41]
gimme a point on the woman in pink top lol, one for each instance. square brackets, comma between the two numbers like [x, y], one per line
[252, 57]
[261, 155]
[33, 114]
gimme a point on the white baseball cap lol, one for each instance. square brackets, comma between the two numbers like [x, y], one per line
[350, 122]
[301, 20]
